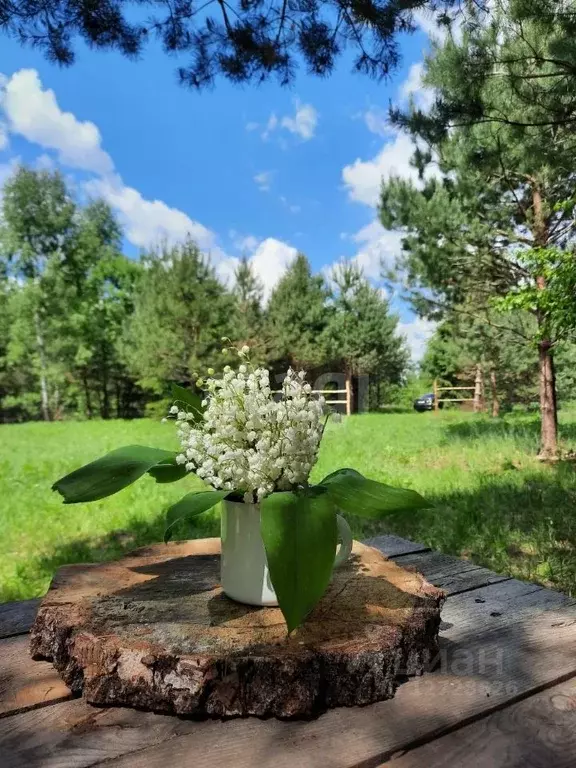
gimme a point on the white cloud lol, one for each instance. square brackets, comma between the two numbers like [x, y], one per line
[269, 260]
[379, 248]
[44, 163]
[413, 88]
[303, 123]
[3, 136]
[376, 120]
[149, 221]
[417, 332]
[244, 243]
[271, 125]
[34, 113]
[263, 180]
[426, 20]
[293, 208]
[363, 178]
[6, 170]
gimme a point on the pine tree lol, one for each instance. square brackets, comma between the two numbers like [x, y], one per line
[238, 40]
[181, 311]
[296, 317]
[496, 228]
[248, 293]
[362, 337]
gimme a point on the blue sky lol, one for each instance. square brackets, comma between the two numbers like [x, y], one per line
[260, 170]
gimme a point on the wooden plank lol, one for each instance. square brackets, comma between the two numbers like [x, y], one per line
[392, 546]
[450, 573]
[17, 618]
[539, 732]
[477, 676]
[488, 608]
[25, 684]
[75, 734]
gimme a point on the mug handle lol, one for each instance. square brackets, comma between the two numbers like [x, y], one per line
[345, 536]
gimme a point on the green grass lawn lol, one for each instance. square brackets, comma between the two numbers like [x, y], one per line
[494, 502]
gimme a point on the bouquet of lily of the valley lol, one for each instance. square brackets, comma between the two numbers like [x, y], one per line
[254, 448]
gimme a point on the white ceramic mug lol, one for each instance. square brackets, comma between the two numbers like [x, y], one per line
[244, 569]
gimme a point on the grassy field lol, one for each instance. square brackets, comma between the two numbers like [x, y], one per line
[494, 502]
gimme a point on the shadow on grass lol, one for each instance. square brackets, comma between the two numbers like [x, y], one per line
[520, 524]
[512, 427]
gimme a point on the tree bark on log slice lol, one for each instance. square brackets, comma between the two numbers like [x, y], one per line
[154, 631]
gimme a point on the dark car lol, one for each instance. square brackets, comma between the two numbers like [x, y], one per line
[426, 403]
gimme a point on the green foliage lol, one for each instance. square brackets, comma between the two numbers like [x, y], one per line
[361, 335]
[248, 293]
[300, 536]
[181, 311]
[243, 42]
[565, 360]
[552, 299]
[493, 228]
[189, 506]
[518, 522]
[297, 316]
[463, 341]
[87, 332]
[109, 474]
[191, 401]
[168, 470]
[358, 495]
[66, 302]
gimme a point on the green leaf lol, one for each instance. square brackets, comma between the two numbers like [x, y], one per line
[300, 535]
[353, 493]
[191, 505]
[338, 474]
[167, 471]
[109, 474]
[189, 398]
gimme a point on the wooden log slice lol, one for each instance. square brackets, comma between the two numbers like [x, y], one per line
[154, 631]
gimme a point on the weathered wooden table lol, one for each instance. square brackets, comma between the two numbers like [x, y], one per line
[503, 695]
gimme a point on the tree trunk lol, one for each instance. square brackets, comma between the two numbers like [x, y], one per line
[494, 392]
[479, 390]
[349, 393]
[105, 409]
[118, 388]
[46, 415]
[548, 411]
[87, 395]
[548, 405]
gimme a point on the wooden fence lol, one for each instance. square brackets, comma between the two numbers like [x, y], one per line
[477, 399]
[346, 401]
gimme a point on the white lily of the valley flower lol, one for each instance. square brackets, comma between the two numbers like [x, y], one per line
[247, 440]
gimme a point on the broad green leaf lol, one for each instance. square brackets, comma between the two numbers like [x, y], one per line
[109, 474]
[192, 504]
[353, 493]
[337, 475]
[189, 398]
[300, 535]
[167, 471]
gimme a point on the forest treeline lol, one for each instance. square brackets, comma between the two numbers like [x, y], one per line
[86, 331]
